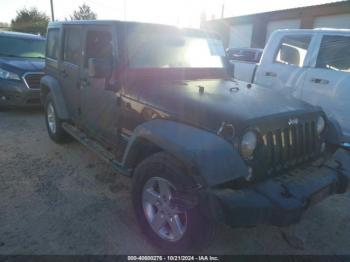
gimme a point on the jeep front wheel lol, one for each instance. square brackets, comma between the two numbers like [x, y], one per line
[158, 184]
[53, 123]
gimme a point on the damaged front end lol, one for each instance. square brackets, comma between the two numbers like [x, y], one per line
[277, 201]
[291, 169]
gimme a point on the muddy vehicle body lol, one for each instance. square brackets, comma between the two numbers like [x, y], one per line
[156, 103]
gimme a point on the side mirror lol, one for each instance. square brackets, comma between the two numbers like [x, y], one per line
[99, 68]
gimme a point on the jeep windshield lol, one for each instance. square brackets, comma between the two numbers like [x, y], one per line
[175, 49]
[22, 47]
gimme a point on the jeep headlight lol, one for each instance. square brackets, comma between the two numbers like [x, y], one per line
[320, 125]
[248, 144]
[4, 74]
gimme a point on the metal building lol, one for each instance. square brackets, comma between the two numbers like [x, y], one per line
[254, 30]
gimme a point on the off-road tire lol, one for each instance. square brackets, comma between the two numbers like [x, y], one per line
[163, 165]
[58, 134]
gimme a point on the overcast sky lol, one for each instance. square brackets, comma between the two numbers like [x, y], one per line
[175, 12]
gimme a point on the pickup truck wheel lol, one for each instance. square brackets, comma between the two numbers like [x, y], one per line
[156, 181]
[53, 123]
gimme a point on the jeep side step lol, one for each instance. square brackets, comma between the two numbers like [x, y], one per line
[97, 148]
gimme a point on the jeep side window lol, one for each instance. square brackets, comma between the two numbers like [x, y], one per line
[334, 53]
[52, 50]
[72, 45]
[98, 45]
[292, 50]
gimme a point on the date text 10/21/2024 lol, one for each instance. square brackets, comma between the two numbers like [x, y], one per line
[173, 258]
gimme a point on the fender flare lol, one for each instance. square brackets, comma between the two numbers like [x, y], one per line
[49, 84]
[211, 157]
[334, 134]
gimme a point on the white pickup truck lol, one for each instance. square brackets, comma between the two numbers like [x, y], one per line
[314, 66]
[243, 62]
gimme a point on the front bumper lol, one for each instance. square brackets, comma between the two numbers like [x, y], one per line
[279, 201]
[16, 93]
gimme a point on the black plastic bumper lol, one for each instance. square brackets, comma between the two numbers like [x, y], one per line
[16, 93]
[279, 201]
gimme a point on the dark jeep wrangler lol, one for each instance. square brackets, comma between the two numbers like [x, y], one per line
[156, 103]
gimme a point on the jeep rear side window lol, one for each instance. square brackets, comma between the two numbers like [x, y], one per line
[72, 45]
[292, 50]
[53, 44]
[334, 53]
[98, 45]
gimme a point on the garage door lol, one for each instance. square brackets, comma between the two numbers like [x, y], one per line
[334, 21]
[281, 24]
[241, 35]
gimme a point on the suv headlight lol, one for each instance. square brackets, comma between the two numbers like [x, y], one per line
[320, 125]
[248, 144]
[4, 74]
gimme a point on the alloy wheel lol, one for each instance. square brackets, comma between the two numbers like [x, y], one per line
[167, 221]
[51, 118]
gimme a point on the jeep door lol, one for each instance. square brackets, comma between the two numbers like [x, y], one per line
[99, 107]
[327, 81]
[69, 71]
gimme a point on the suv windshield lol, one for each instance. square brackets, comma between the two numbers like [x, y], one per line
[22, 47]
[165, 50]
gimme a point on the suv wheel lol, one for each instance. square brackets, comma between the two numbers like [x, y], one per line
[53, 123]
[156, 181]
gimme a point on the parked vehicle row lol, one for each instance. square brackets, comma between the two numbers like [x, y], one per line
[21, 68]
[311, 65]
[156, 103]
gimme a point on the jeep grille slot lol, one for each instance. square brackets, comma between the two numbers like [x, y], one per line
[286, 147]
[32, 80]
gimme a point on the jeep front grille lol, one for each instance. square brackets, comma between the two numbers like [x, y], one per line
[289, 146]
[32, 80]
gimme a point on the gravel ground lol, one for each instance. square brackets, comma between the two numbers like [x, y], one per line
[63, 200]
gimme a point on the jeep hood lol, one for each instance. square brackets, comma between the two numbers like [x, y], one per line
[209, 102]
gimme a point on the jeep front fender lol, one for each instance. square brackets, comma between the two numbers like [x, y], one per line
[50, 84]
[212, 157]
[334, 132]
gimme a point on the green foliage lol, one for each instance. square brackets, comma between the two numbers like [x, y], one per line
[30, 21]
[84, 13]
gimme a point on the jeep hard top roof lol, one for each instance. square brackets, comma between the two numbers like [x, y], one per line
[21, 35]
[57, 24]
[85, 22]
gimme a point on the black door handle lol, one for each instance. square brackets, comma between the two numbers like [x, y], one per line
[320, 81]
[273, 74]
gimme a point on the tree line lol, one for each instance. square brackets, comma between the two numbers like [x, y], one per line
[34, 21]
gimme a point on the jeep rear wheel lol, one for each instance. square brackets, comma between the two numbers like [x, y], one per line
[158, 183]
[53, 123]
